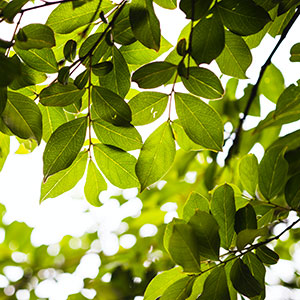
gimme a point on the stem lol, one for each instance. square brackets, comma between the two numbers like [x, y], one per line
[15, 31]
[254, 90]
[171, 95]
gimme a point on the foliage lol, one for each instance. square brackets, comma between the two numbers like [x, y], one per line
[94, 52]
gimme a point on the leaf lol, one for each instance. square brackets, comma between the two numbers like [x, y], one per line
[144, 23]
[215, 286]
[118, 80]
[179, 290]
[153, 74]
[194, 202]
[200, 121]
[65, 18]
[53, 117]
[125, 138]
[23, 117]
[183, 247]
[245, 218]
[272, 83]
[242, 17]
[117, 165]
[272, 172]
[183, 141]
[10, 69]
[64, 146]
[248, 171]
[198, 286]
[206, 229]
[3, 99]
[161, 282]
[4, 148]
[70, 50]
[292, 191]
[110, 106]
[95, 183]
[64, 180]
[195, 9]
[146, 107]
[247, 236]
[156, 156]
[243, 281]
[235, 57]
[168, 4]
[295, 53]
[266, 255]
[42, 60]
[37, 36]
[58, 94]
[285, 5]
[138, 54]
[12, 9]
[102, 68]
[208, 40]
[204, 83]
[223, 209]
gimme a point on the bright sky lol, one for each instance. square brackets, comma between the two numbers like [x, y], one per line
[21, 177]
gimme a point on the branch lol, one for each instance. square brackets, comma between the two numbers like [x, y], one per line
[233, 149]
[44, 5]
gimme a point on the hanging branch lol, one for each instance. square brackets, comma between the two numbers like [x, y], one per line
[233, 149]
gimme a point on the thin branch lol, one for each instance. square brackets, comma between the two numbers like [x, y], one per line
[254, 90]
[44, 5]
[14, 33]
[171, 95]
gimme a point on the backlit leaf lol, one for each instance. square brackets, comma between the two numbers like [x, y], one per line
[200, 121]
[64, 146]
[248, 171]
[195, 9]
[168, 4]
[295, 53]
[4, 148]
[179, 290]
[10, 68]
[12, 8]
[156, 156]
[245, 218]
[292, 191]
[247, 236]
[194, 202]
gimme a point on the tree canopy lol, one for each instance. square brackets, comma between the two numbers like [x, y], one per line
[85, 84]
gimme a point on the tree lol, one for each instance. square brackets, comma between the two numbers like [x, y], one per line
[89, 116]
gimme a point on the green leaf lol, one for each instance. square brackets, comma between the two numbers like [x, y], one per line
[138, 54]
[102, 68]
[183, 247]
[200, 121]
[248, 171]
[10, 69]
[64, 146]
[272, 83]
[272, 172]
[168, 4]
[161, 282]
[37, 36]
[285, 5]
[125, 138]
[243, 281]
[204, 83]
[243, 17]
[110, 106]
[207, 231]
[208, 40]
[156, 156]
[194, 202]
[266, 255]
[23, 117]
[53, 117]
[292, 191]
[179, 290]
[195, 9]
[70, 50]
[64, 180]
[245, 218]
[144, 23]
[154, 74]
[198, 286]
[42, 60]
[295, 53]
[81, 80]
[58, 94]
[3, 99]
[95, 183]
[235, 57]
[215, 286]
[182, 139]
[118, 80]
[65, 18]
[63, 75]
[4, 148]
[146, 107]
[12, 9]
[247, 236]
[223, 209]
[117, 165]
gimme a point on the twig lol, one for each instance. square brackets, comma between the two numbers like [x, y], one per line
[236, 139]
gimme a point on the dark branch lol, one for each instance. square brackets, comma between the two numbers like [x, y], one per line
[253, 94]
